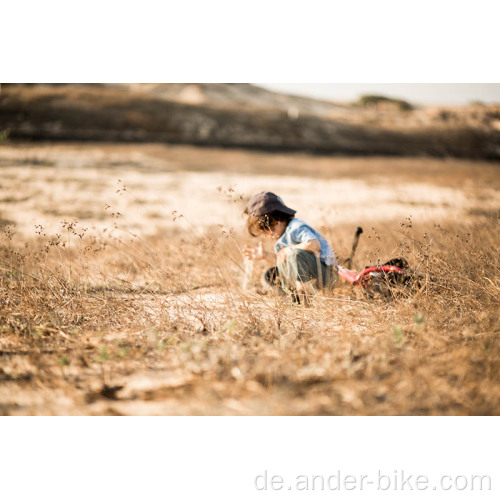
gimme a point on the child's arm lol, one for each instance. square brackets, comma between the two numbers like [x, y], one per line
[312, 246]
[305, 239]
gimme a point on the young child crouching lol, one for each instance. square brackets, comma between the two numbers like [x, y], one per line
[304, 260]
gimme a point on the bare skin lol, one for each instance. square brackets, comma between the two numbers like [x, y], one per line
[275, 232]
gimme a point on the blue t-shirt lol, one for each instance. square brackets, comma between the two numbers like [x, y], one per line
[297, 232]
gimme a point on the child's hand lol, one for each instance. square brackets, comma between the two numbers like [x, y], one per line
[253, 253]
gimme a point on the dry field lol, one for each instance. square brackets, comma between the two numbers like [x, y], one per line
[121, 285]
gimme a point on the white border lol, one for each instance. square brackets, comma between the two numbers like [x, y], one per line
[150, 458]
[262, 40]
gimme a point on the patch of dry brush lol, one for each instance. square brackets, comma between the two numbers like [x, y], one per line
[118, 325]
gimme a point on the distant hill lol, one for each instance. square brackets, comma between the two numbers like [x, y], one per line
[245, 116]
[230, 95]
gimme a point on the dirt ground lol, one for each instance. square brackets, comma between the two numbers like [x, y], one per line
[46, 184]
[121, 279]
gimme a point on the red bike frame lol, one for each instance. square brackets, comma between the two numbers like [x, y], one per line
[362, 278]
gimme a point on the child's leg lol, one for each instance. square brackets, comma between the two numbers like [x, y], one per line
[300, 267]
[300, 272]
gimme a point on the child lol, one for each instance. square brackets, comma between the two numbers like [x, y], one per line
[304, 259]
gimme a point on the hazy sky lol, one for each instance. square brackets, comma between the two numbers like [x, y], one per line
[418, 93]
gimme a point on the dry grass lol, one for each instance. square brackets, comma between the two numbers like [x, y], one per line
[162, 326]
[112, 323]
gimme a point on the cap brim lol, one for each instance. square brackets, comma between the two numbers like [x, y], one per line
[287, 211]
